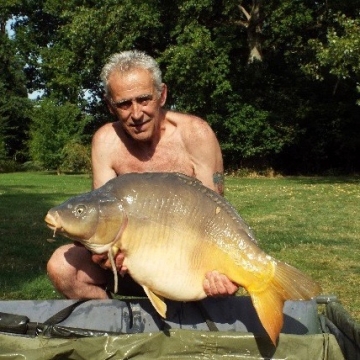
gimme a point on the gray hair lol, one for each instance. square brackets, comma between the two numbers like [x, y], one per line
[129, 60]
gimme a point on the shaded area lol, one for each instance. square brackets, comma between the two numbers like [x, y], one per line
[26, 242]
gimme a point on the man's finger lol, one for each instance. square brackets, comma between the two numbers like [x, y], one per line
[216, 284]
[219, 288]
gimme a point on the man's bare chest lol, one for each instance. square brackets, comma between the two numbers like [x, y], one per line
[166, 158]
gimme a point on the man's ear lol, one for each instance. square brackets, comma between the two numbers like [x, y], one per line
[163, 95]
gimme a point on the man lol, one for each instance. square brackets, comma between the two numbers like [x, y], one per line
[144, 138]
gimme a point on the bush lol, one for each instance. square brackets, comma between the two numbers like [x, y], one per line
[8, 165]
[32, 166]
[54, 127]
[77, 158]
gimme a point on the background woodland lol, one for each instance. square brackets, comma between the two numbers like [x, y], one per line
[278, 81]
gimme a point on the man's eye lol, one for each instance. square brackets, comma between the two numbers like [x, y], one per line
[124, 105]
[144, 101]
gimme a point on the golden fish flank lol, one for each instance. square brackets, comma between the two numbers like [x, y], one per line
[171, 221]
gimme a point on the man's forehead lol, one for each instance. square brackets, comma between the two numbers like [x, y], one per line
[131, 83]
[131, 75]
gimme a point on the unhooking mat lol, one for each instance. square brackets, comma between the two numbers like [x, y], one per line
[117, 329]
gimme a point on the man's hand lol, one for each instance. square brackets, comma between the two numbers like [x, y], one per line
[103, 261]
[216, 284]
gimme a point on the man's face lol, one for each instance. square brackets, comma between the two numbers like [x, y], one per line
[136, 103]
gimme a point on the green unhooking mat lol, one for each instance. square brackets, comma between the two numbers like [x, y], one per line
[174, 344]
[226, 328]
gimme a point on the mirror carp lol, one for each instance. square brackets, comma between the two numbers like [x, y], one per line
[172, 231]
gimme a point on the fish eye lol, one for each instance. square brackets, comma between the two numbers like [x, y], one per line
[79, 210]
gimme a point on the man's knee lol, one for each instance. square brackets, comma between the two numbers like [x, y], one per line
[58, 269]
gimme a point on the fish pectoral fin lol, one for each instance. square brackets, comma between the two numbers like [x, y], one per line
[157, 301]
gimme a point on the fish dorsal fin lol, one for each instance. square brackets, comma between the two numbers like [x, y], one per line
[157, 301]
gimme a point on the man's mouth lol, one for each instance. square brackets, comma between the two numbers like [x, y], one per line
[139, 125]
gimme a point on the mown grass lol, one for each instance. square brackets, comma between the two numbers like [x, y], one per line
[26, 242]
[311, 223]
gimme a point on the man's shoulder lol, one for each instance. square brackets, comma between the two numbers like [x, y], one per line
[194, 131]
[186, 122]
[106, 131]
[183, 117]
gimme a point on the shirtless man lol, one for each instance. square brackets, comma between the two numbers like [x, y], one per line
[145, 138]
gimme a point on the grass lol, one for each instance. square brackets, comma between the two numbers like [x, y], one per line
[26, 242]
[311, 223]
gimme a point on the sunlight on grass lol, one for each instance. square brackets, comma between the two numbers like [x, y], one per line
[311, 223]
[38, 288]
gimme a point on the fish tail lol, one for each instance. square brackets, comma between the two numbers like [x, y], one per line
[287, 283]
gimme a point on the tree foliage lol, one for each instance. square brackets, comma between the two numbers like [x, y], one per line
[339, 53]
[14, 103]
[277, 80]
[54, 129]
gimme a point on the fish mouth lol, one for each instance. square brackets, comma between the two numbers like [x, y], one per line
[52, 223]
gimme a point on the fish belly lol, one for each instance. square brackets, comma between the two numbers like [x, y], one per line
[169, 247]
[171, 261]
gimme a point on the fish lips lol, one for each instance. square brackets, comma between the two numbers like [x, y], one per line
[52, 221]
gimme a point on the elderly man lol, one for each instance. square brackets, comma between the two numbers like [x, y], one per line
[144, 138]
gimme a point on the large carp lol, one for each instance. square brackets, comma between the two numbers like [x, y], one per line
[172, 230]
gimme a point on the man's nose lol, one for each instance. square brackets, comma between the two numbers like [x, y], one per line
[136, 110]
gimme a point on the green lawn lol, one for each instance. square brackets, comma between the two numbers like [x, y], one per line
[311, 223]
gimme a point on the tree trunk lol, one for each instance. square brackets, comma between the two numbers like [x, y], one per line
[253, 28]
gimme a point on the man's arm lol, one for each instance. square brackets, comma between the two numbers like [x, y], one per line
[101, 149]
[206, 156]
[102, 172]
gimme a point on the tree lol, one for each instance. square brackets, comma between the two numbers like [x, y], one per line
[316, 120]
[54, 127]
[3, 124]
[75, 38]
[246, 66]
[339, 55]
[253, 25]
[14, 103]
